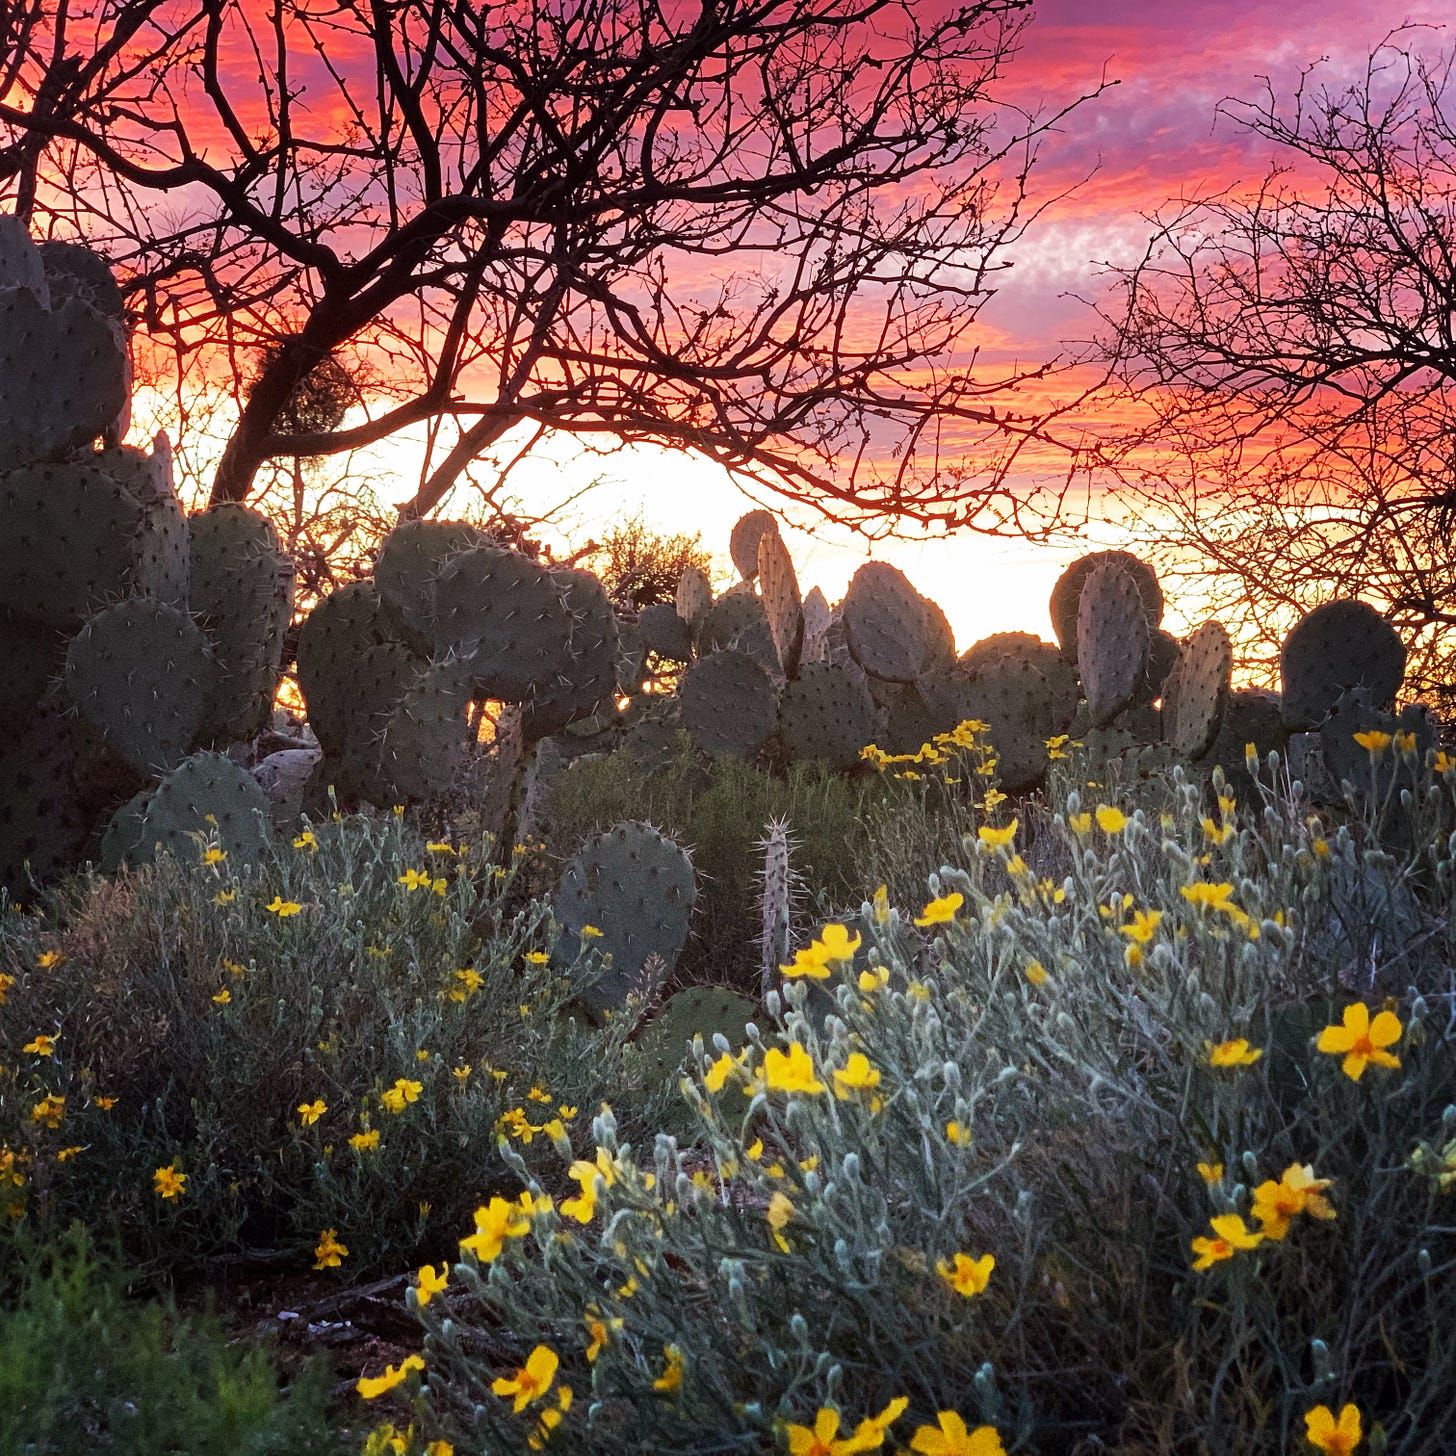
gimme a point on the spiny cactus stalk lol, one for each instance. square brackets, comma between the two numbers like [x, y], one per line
[775, 903]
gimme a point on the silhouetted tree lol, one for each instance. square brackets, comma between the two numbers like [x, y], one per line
[759, 229]
[640, 568]
[1287, 358]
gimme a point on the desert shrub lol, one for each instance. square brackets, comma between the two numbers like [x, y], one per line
[87, 1367]
[719, 811]
[986, 1183]
[221, 1061]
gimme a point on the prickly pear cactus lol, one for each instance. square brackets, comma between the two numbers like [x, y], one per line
[1026, 693]
[694, 595]
[206, 797]
[782, 603]
[827, 713]
[1163, 650]
[506, 618]
[587, 685]
[65, 377]
[342, 627]
[817, 617]
[43, 823]
[1067, 594]
[138, 672]
[1196, 691]
[885, 623]
[743, 542]
[1251, 715]
[421, 745]
[1343, 644]
[412, 556]
[728, 703]
[242, 598]
[737, 612]
[665, 632]
[940, 652]
[1112, 640]
[1388, 760]
[698, 1011]
[74, 537]
[635, 886]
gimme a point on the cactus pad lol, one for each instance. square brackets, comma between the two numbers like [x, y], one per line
[1343, 644]
[827, 713]
[729, 703]
[636, 887]
[242, 598]
[1195, 692]
[1067, 593]
[885, 623]
[137, 672]
[694, 595]
[743, 541]
[782, 603]
[506, 617]
[206, 796]
[1112, 640]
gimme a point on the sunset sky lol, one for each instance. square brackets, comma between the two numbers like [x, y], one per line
[1153, 137]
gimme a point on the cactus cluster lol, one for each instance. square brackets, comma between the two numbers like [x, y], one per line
[132, 639]
[138, 643]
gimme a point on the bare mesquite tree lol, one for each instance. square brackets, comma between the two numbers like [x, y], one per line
[759, 229]
[1288, 360]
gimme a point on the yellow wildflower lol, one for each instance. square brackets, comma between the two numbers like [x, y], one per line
[1211, 1172]
[41, 1046]
[1373, 741]
[670, 1381]
[366, 1141]
[307, 841]
[1143, 926]
[994, 838]
[1335, 1437]
[284, 908]
[1110, 819]
[966, 1275]
[413, 879]
[330, 1253]
[430, 1283]
[496, 1222]
[1235, 1053]
[213, 855]
[874, 979]
[1297, 1191]
[941, 911]
[404, 1091]
[1361, 1040]
[790, 1071]
[951, 1438]
[223, 997]
[1080, 824]
[1230, 1234]
[469, 981]
[371, 1387]
[49, 959]
[169, 1182]
[855, 1075]
[310, 1112]
[531, 1381]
